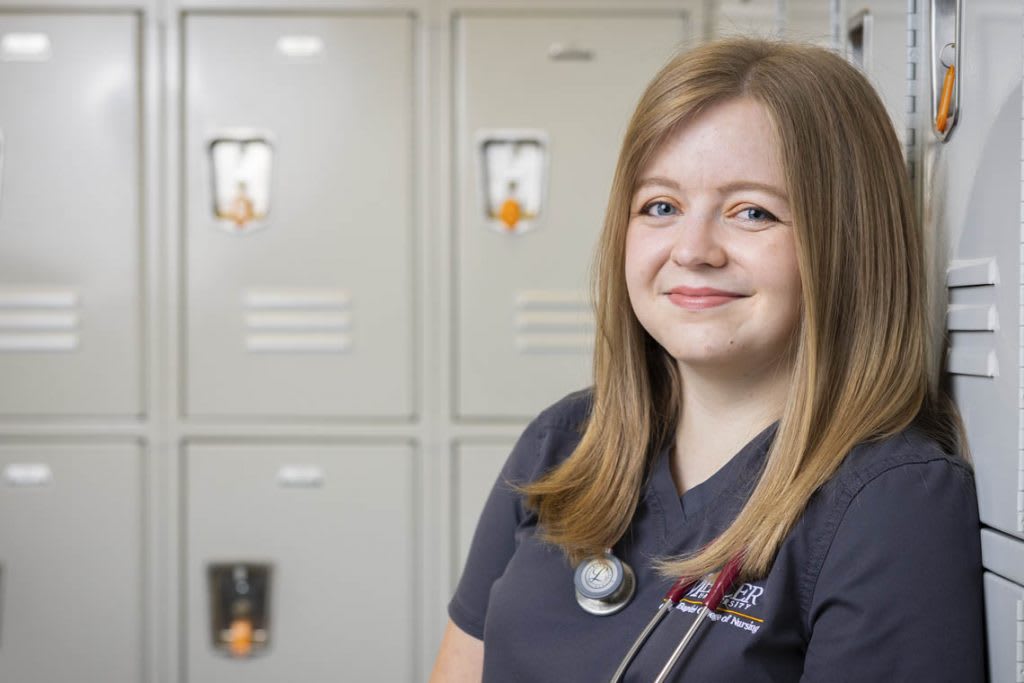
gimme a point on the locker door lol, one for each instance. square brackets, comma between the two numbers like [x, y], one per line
[70, 563]
[477, 466]
[808, 21]
[70, 237]
[876, 41]
[298, 198]
[333, 524]
[1004, 616]
[973, 208]
[557, 89]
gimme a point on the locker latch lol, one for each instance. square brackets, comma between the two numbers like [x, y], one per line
[240, 606]
[513, 168]
[240, 162]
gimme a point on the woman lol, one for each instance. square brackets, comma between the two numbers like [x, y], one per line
[765, 390]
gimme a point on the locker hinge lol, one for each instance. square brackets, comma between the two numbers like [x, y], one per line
[913, 59]
[1020, 641]
[1020, 491]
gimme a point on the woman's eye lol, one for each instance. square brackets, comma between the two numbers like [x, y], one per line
[757, 214]
[658, 209]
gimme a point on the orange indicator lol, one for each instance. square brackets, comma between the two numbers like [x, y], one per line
[241, 637]
[510, 213]
[942, 118]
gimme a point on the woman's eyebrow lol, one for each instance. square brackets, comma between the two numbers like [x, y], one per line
[658, 180]
[728, 187]
[751, 185]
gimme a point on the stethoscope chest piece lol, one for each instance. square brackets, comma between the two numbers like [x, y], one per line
[604, 585]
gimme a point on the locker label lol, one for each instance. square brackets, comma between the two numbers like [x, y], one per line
[25, 47]
[300, 476]
[301, 48]
[28, 475]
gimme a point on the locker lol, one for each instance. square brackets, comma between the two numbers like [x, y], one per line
[875, 36]
[299, 215]
[1003, 554]
[476, 466]
[745, 17]
[70, 215]
[70, 563]
[332, 528]
[807, 20]
[561, 85]
[1004, 616]
[972, 200]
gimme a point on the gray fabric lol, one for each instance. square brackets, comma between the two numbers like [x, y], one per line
[880, 580]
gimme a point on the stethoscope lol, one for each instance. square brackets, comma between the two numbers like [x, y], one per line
[606, 584]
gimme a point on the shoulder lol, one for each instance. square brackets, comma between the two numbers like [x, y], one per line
[909, 450]
[901, 494]
[550, 437]
[892, 589]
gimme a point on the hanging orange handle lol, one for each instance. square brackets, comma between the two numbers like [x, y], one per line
[240, 644]
[510, 213]
[942, 119]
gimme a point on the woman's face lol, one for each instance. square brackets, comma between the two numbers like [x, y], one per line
[711, 264]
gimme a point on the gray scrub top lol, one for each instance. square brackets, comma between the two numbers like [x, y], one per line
[880, 579]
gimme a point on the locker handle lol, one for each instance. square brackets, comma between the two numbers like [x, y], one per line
[942, 119]
[945, 36]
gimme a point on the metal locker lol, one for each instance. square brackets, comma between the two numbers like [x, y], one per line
[875, 36]
[329, 531]
[807, 20]
[476, 468]
[70, 215]
[972, 200]
[1004, 617]
[70, 563]
[745, 17]
[541, 103]
[298, 255]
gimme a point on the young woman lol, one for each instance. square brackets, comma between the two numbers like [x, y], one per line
[765, 395]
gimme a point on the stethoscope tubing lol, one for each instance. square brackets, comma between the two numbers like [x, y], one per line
[681, 587]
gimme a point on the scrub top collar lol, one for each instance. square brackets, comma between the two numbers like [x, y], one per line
[739, 470]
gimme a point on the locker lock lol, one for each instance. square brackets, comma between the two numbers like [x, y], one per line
[513, 167]
[239, 608]
[240, 165]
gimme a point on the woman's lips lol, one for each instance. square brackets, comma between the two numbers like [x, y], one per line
[698, 299]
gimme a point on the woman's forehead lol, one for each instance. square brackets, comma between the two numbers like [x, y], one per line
[726, 145]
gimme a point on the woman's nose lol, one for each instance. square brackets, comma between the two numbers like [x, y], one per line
[697, 243]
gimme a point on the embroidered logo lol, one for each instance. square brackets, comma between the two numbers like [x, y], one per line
[737, 608]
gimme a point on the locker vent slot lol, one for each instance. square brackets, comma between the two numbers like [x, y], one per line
[298, 320]
[972, 272]
[973, 362]
[38, 320]
[553, 321]
[960, 317]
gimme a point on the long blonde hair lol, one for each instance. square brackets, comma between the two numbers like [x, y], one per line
[863, 365]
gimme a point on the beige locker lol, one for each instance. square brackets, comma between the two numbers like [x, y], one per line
[70, 215]
[298, 236]
[71, 571]
[542, 100]
[333, 525]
